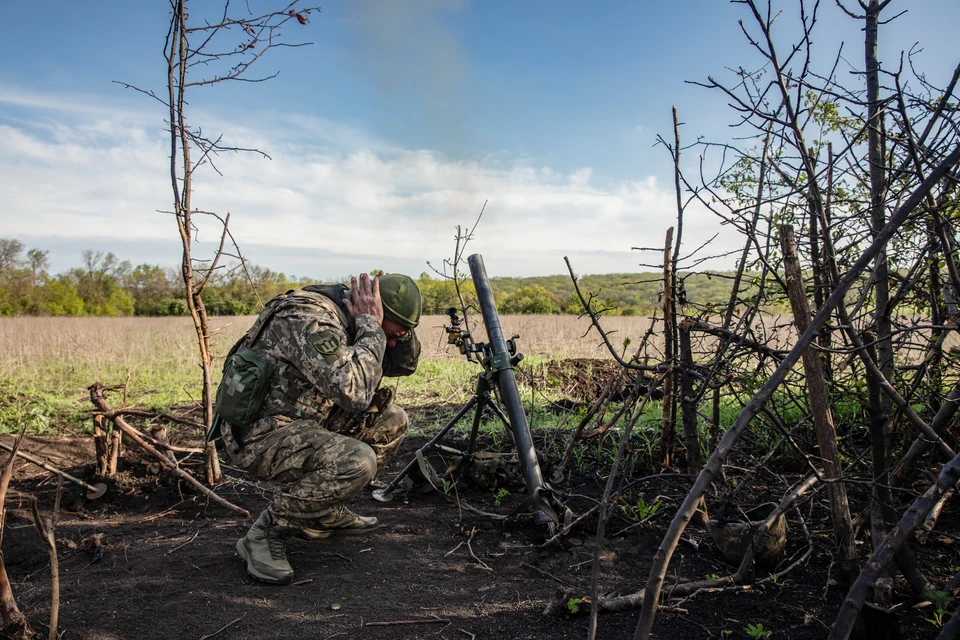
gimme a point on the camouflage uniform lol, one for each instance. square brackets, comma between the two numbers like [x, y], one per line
[310, 433]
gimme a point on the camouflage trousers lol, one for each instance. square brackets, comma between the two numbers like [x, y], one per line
[319, 467]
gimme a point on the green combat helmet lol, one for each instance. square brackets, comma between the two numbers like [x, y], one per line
[401, 300]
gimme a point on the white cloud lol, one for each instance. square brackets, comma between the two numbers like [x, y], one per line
[330, 192]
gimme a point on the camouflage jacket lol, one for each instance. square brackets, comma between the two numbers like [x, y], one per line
[324, 359]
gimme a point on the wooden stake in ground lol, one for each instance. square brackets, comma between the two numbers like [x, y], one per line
[822, 415]
[15, 624]
[667, 436]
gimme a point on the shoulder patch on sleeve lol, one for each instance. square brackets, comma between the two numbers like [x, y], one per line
[326, 343]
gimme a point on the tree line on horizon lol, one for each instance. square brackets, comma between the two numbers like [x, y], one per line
[104, 285]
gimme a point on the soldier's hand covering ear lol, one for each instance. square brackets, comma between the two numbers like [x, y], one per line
[365, 298]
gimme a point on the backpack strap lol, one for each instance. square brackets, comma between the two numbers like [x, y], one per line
[250, 337]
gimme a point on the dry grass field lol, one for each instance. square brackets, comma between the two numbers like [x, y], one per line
[32, 347]
[47, 363]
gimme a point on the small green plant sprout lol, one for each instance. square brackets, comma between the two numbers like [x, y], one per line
[775, 579]
[712, 576]
[447, 486]
[573, 604]
[726, 633]
[639, 510]
[579, 460]
[940, 600]
[757, 632]
[499, 495]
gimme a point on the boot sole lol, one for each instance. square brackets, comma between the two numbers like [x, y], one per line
[251, 570]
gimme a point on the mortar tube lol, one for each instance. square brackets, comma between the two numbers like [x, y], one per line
[507, 383]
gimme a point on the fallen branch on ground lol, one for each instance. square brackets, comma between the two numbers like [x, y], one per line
[98, 399]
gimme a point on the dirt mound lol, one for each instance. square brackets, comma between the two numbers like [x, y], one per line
[582, 380]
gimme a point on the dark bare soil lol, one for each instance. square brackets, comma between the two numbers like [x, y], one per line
[169, 570]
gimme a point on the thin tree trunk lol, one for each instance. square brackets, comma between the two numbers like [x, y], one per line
[177, 65]
[15, 624]
[879, 405]
[688, 404]
[667, 435]
[822, 415]
[828, 260]
[670, 320]
[47, 529]
[690, 417]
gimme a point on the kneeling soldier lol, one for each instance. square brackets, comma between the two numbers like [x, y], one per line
[299, 404]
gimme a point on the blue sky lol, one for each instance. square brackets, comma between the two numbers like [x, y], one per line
[394, 127]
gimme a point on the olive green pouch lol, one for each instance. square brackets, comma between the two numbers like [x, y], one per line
[243, 388]
[246, 378]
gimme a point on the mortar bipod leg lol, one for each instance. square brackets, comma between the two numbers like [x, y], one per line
[386, 494]
[483, 400]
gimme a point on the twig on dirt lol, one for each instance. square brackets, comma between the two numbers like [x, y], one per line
[298, 583]
[452, 550]
[481, 563]
[229, 624]
[472, 636]
[340, 555]
[676, 610]
[542, 572]
[396, 622]
[184, 544]
[315, 604]
[826, 587]
[152, 440]
[167, 512]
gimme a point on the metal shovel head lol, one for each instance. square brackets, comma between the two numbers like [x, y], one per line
[96, 491]
[380, 495]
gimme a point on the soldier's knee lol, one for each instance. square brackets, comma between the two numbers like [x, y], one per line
[365, 462]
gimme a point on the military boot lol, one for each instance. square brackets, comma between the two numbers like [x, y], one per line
[342, 522]
[264, 551]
